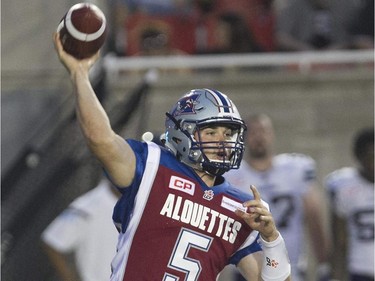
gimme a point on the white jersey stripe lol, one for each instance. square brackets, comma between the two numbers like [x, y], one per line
[125, 239]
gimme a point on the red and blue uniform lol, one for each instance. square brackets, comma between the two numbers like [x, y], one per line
[173, 226]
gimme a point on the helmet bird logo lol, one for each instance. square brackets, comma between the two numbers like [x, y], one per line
[188, 105]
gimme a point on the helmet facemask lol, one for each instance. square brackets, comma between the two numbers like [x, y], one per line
[218, 157]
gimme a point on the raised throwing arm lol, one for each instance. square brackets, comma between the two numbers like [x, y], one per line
[111, 149]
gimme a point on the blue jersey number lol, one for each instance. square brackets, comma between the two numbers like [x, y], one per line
[284, 204]
[364, 221]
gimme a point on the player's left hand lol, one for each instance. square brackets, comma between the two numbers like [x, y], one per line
[258, 217]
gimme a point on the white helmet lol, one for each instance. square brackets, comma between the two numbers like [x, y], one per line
[197, 109]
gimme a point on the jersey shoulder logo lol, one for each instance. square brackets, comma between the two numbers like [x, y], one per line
[208, 195]
[182, 184]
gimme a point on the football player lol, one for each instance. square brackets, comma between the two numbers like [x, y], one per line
[178, 219]
[288, 183]
[351, 191]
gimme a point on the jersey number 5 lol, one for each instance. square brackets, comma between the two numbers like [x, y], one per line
[179, 259]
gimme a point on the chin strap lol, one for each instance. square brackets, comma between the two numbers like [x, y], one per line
[213, 171]
[174, 120]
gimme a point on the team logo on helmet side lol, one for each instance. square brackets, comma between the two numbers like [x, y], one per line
[187, 105]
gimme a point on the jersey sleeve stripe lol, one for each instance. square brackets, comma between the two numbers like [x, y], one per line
[126, 239]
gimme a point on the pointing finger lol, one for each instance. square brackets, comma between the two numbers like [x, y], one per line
[255, 192]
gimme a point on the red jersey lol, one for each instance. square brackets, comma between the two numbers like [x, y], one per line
[173, 226]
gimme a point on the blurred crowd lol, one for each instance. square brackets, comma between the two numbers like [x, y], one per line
[163, 27]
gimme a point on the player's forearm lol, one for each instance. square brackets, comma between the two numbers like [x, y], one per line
[91, 115]
[320, 244]
[339, 253]
[317, 234]
[314, 214]
[64, 267]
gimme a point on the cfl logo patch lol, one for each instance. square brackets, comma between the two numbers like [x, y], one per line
[182, 184]
[272, 263]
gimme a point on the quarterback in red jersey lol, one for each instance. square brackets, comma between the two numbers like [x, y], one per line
[178, 218]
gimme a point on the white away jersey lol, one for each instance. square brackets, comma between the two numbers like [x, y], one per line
[353, 199]
[86, 228]
[283, 187]
[173, 226]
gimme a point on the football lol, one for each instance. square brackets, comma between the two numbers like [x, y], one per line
[83, 30]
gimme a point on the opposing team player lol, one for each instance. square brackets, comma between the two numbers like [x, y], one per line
[352, 196]
[287, 182]
[178, 219]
